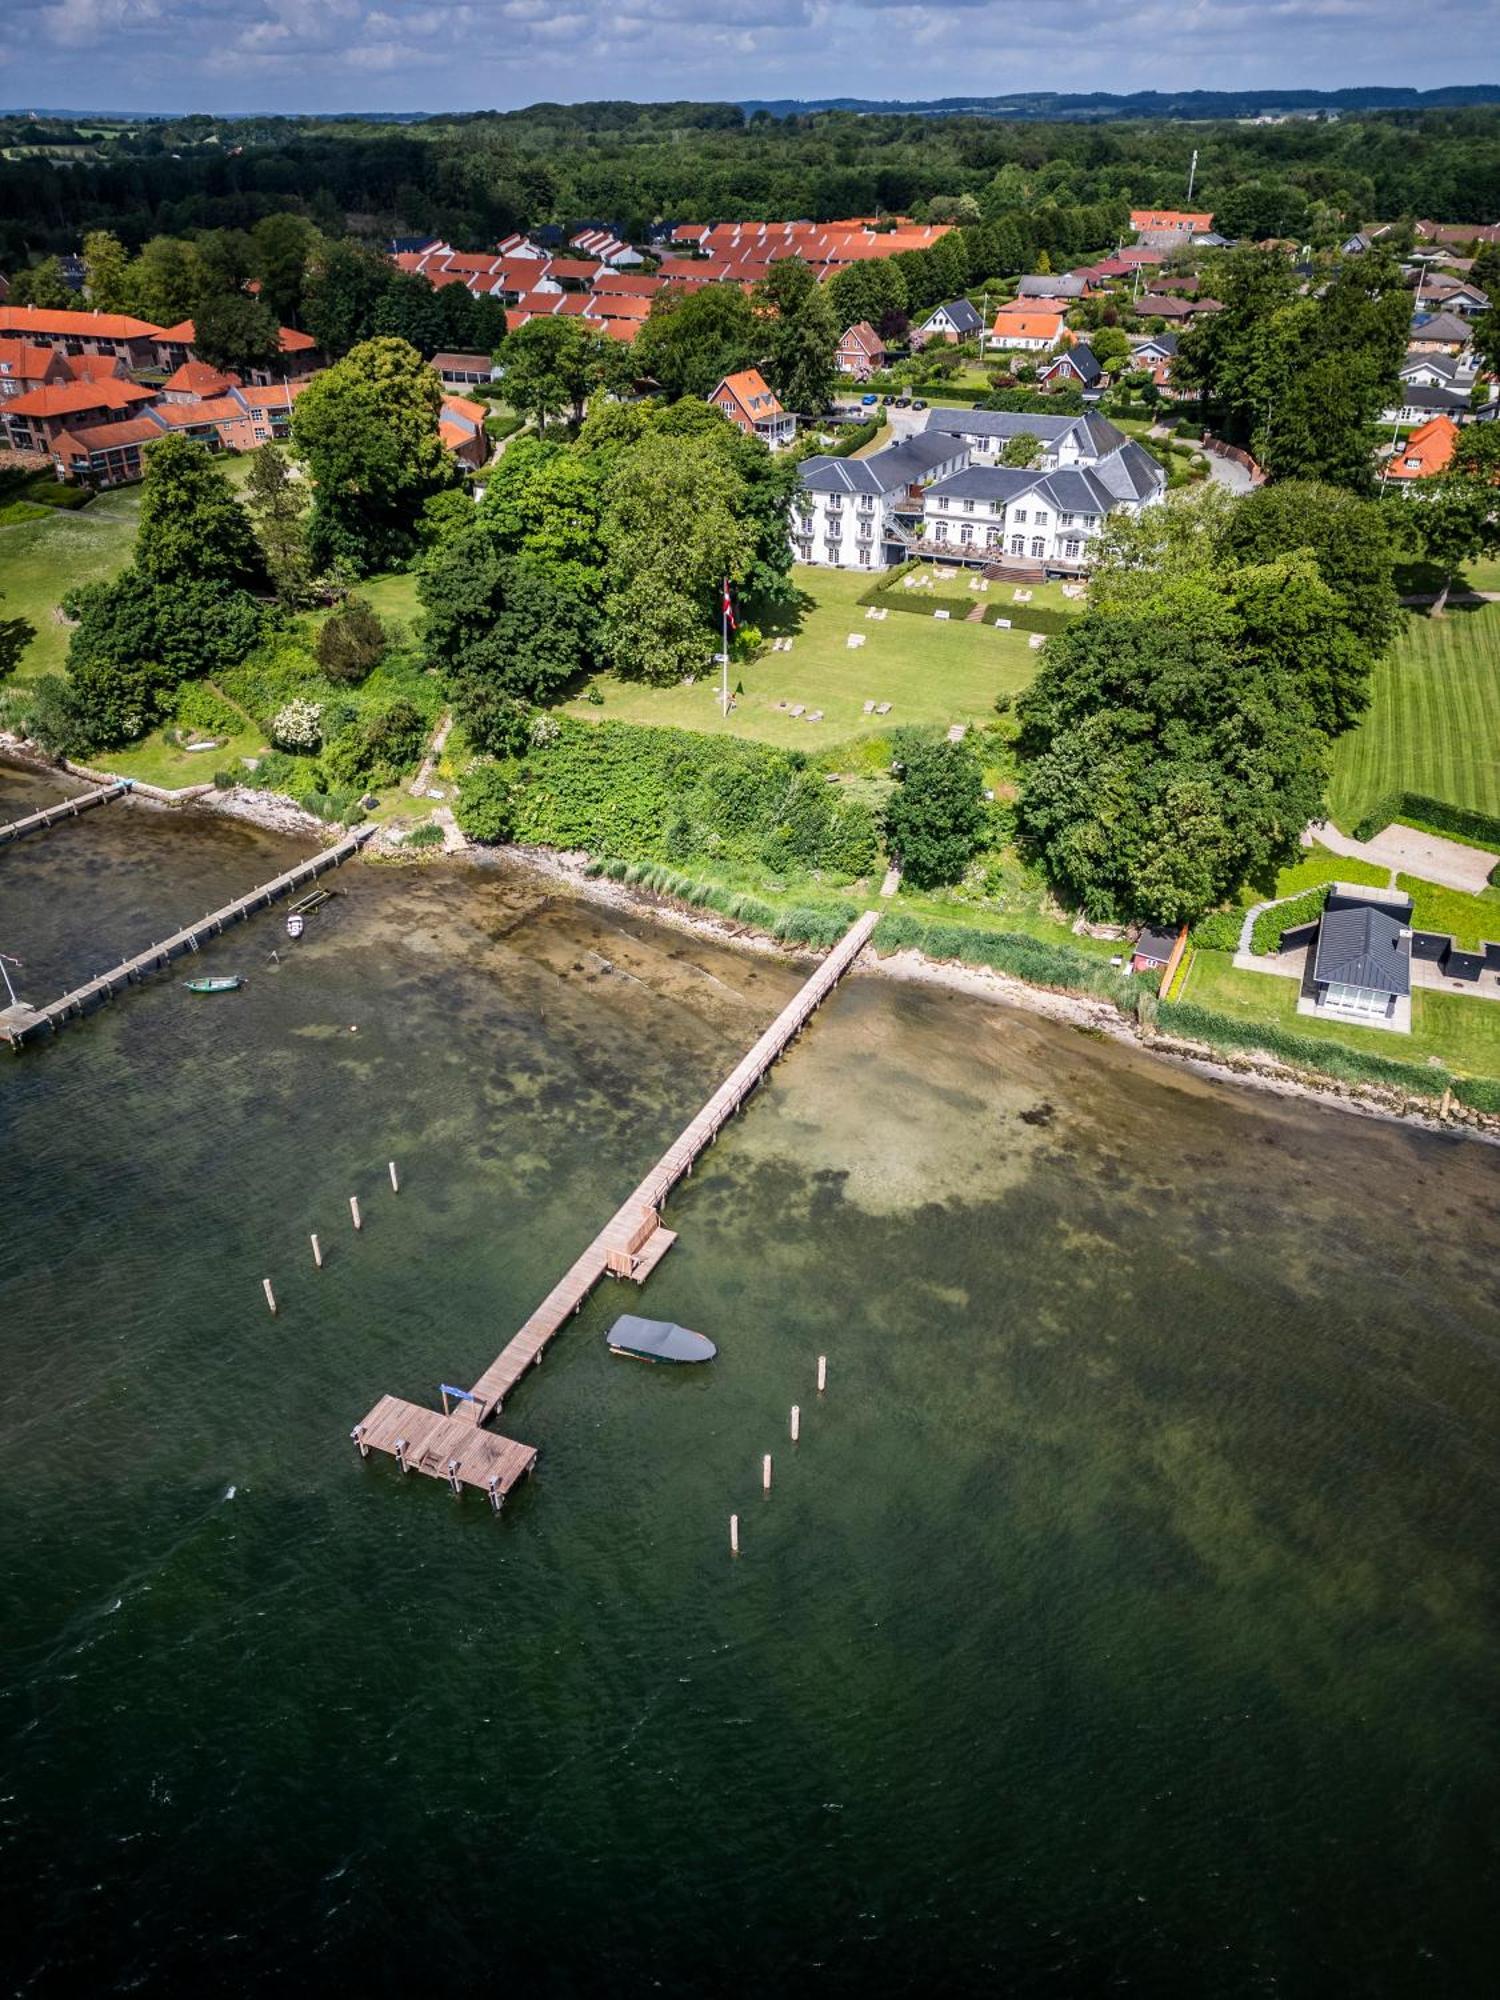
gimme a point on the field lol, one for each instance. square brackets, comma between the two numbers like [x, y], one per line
[40, 560]
[1434, 721]
[929, 671]
[1462, 1033]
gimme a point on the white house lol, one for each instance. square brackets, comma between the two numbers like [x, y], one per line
[941, 493]
[862, 513]
[958, 320]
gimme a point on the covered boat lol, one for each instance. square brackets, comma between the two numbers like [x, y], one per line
[657, 1340]
[226, 983]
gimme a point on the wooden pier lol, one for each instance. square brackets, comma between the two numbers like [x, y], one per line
[18, 1024]
[67, 809]
[454, 1445]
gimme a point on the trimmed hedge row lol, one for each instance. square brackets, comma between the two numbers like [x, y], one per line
[855, 438]
[1265, 934]
[1461, 821]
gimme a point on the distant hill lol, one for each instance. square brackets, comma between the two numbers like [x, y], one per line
[1103, 104]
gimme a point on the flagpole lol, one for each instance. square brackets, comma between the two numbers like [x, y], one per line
[724, 655]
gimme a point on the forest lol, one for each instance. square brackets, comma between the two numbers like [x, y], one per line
[472, 178]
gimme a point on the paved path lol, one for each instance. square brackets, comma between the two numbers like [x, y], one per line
[1227, 473]
[1403, 849]
[435, 748]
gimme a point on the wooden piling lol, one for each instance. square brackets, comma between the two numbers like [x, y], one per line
[765, 1473]
[354, 1211]
[822, 1373]
[395, 1184]
[317, 1250]
[734, 1534]
[270, 1295]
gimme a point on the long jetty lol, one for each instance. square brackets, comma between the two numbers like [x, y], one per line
[453, 1444]
[20, 1023]
[67, 809]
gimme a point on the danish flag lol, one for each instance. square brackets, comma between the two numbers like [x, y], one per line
[729, 618]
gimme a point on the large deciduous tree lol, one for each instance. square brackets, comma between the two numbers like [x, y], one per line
[692, 340]
[801, 337]
[934, 820]
[552, 367]
[192, 526]
[367, 429]
[233, 331]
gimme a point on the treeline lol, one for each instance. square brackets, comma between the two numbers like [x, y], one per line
[477, 177]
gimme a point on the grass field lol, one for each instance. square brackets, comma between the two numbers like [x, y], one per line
[929, 671]
[1462, 1033]
[1469, 920]
[40, 560]
[1434, 720]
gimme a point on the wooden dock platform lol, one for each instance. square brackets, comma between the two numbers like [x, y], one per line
[630, 1245]
[66, 809]
[19, 1024]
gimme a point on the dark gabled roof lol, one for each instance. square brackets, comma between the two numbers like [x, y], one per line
[1076, 489]
[1156, 945]
[1083, 359]
[1360, 945]
[961, 312]
[999, 424]
[1164, 343]
[898, 465]
[1441, 326]
[988, 482]
[1064, 285]
[1437, 364]
[1130, 473]
[1440, 401]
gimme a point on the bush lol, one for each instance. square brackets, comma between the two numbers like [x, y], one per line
[298, 726]
[55, 718]
[670, 795]
[428, 834]
[485, 809]
[1480, 1093]
[378, 747]
[202, 712]
[1028, 958]
[352, 642]
[1218, 931]
[1265, 933]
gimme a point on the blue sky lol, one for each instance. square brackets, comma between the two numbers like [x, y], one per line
[336, 55]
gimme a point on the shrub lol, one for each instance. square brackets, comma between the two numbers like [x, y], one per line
[1219, 930]
[298, 726]
[202, 711]
[1461, 821]
[352, 642]
[485, 806]
[56, 718]
[1480, 1093]
[379, 746]
[428, 834]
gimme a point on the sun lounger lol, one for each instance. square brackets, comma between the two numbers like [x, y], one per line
[1002, 624]
[882, 708]
[796, 708]
[1036, 641]
[942, 614]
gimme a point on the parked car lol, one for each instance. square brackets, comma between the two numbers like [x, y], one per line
[869, 400]
[903, 402]
[918, 403]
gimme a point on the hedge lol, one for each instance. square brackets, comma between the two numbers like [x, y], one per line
[1265, 934]
[854, 438]
[1461, 821]
[1218, 931]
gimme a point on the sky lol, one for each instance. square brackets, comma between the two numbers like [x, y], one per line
[223, 56]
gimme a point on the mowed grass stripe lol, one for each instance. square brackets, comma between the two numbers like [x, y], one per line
[1434, 720]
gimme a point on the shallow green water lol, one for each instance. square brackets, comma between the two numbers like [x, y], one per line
[1126, 1617]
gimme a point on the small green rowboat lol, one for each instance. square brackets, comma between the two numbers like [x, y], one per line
[230, 983]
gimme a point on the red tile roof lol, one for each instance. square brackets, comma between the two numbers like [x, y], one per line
[203, 410]
[20, 361]
[628, 283]
[73, 325]
[198, 379]
[61, 399]
[1426, 451]
[105, 437]
[184, 334]
[1021, 323]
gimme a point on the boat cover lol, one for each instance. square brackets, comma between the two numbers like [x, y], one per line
[659, 1339]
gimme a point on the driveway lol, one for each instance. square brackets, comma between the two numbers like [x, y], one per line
[1226, 473]
[1403, 850]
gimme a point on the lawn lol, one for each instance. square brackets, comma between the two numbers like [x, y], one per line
[40, 560]
[1464, 1034]
[1434, 720]
[928, 670]
[1469, 920]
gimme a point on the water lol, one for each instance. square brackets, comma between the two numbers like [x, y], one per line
[1125, 1618]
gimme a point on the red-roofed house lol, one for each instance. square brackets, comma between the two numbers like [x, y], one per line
[104, 454]
[1027, 328]
[194, 379]
[747, 401]
[860, 352]
[298, 357]
[1426, 452]
[461, 427]
[1174, 225]
[25, 366]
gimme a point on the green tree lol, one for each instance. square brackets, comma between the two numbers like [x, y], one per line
[1456, 516]
[692, 340]
[367, 430]
[42, 285]
[802, 336]
[343, 286]
[552, 366]
[105, 267]
[192, 526]
[278, 502]
[1022, 450]
[671, 536]
[934, 820]
[54, 717]
[235, 332]
[281, 246]
[351, 642]
[16, 634]
[139, 638]
[501, 630]
[873, 290]
[165, 283]
[1162, 763]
